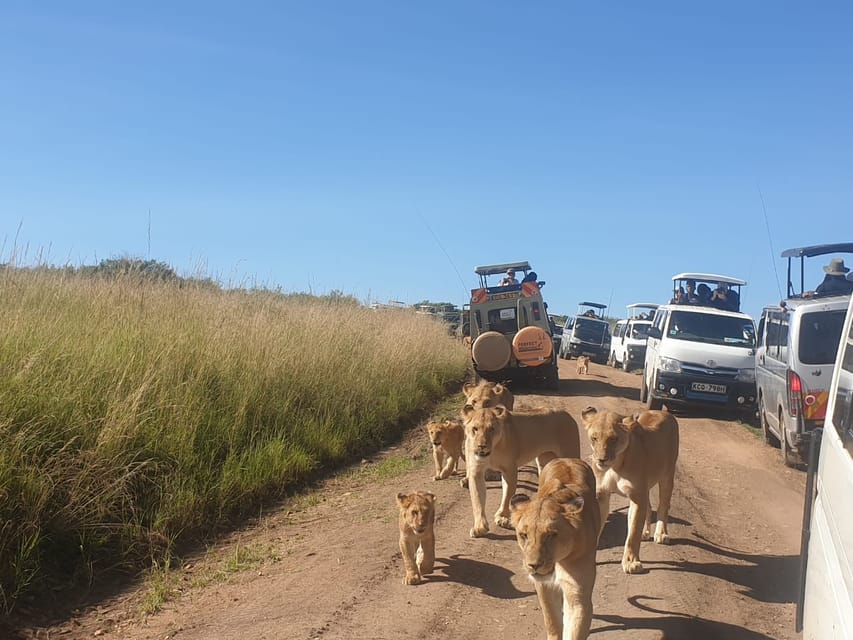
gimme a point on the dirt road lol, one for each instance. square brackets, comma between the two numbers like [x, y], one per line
[729, 574]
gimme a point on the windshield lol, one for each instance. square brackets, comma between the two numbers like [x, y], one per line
[589, 330]
[711, 329]
[820, 333]
[640, 330]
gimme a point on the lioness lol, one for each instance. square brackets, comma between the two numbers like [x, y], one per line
[583, 365]
[630, 455]
[488, 394]
[558, 535]
[447, 438]
[496, 438]
[417, 538]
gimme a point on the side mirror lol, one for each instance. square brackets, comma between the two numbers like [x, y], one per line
[654, 332]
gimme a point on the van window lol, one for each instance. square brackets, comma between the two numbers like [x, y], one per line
[777, 336]
[820, 332]
[640, 330]
[711, 329]
[589, 330]
[842, 416]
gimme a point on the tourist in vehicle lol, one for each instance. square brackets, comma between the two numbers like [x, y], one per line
[680, 297]
[703, 294]
[835, 281]
[690, 293]
[725, 298]
[530, 277]
[508, 279]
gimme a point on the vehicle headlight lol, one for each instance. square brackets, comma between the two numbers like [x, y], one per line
[670, 365]
[575, 340]
[745, 375]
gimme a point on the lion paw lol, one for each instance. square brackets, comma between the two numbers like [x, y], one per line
[632, 566]
[647, 534]
[412, 579]
[463, 483]
[661, 538]
[437, 478]
[479, 532]
[503, 521]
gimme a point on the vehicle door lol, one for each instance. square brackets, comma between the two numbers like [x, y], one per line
[618, 346]
[653, 344]
[828, 598]
[814, 346]
[773, 367]
[568, 330]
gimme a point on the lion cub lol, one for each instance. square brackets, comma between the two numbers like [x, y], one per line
[447, 438]
[558, 534]
[630, 455]
[583, 365]
[417, 538]
[488, 394]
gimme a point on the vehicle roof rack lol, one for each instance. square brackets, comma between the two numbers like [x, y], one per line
[708, 277]
[809, 252]
[643, 305]
[495, 269]
[597, 305]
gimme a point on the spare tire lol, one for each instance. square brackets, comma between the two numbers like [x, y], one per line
[491, 351]
[533, 346]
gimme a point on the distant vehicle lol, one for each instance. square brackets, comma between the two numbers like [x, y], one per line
[587, 333]
[509, 328]
[825, 603]
[700, 355]
[556, 332]
[628, 343]
[797, 343]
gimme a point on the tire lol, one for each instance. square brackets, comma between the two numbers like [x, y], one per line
[611, 361]
[788, 457]
[769, 438]
[626, 366]
[652, 403]
[491, 351]
[552, 378]
[644, 390]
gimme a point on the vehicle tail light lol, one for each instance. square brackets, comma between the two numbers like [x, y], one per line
[795, 394]
[537, 314]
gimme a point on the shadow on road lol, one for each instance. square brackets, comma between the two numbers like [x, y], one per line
[491, 579]
[674, 626]
[616, 529]
[595, 388]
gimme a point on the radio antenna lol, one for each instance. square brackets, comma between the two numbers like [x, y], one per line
[770, 242]
[446, 255]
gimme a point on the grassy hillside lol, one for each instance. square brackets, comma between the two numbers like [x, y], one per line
[134, 413]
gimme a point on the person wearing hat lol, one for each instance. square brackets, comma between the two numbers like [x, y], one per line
[509, 278]
[835, 282]
[724, 298]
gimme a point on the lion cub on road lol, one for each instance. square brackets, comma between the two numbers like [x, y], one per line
[583, 365]
[487, 394]
[447, 438]
[496, 438]
[417, 538]
[558, 534]
[630, 455]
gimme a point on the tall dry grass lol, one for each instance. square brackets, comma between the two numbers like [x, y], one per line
[134, 414]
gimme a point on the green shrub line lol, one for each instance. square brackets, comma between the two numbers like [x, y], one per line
[136, 413]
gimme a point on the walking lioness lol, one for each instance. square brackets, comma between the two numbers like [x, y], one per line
[558, 533]
[630, 455]
[496, 438]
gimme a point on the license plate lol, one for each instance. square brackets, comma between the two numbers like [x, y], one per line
[708, 388]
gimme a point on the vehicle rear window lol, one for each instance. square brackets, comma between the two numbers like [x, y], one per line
[820, 332]
[711, 329]
[640, 330]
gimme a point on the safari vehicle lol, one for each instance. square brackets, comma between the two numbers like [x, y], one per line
[697, 354]
[825, 603]
[510, 331]
[587, 333]
[797, 344]
[628, 343]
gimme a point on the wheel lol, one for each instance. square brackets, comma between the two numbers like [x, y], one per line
[626, 366]
[788, 457]
[769, 438]
[644, 390]
[652, 403]
[552, 379]
[611, 361]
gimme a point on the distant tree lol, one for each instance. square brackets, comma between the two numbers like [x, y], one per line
[114, 267]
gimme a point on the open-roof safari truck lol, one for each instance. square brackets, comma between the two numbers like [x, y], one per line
[587, 333]
[510, 333]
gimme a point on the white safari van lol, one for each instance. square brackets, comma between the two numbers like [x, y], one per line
[628, 343]
[797, 344]
[825, 606]
[698, 353]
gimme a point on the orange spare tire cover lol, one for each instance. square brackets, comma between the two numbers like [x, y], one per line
[491, 351]
[532, 346]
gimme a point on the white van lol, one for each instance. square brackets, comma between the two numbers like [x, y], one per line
[797, 344]
[698, 354]
[825, 606]
[628, 343]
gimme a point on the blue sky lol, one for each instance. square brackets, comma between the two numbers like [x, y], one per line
[381, 147]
